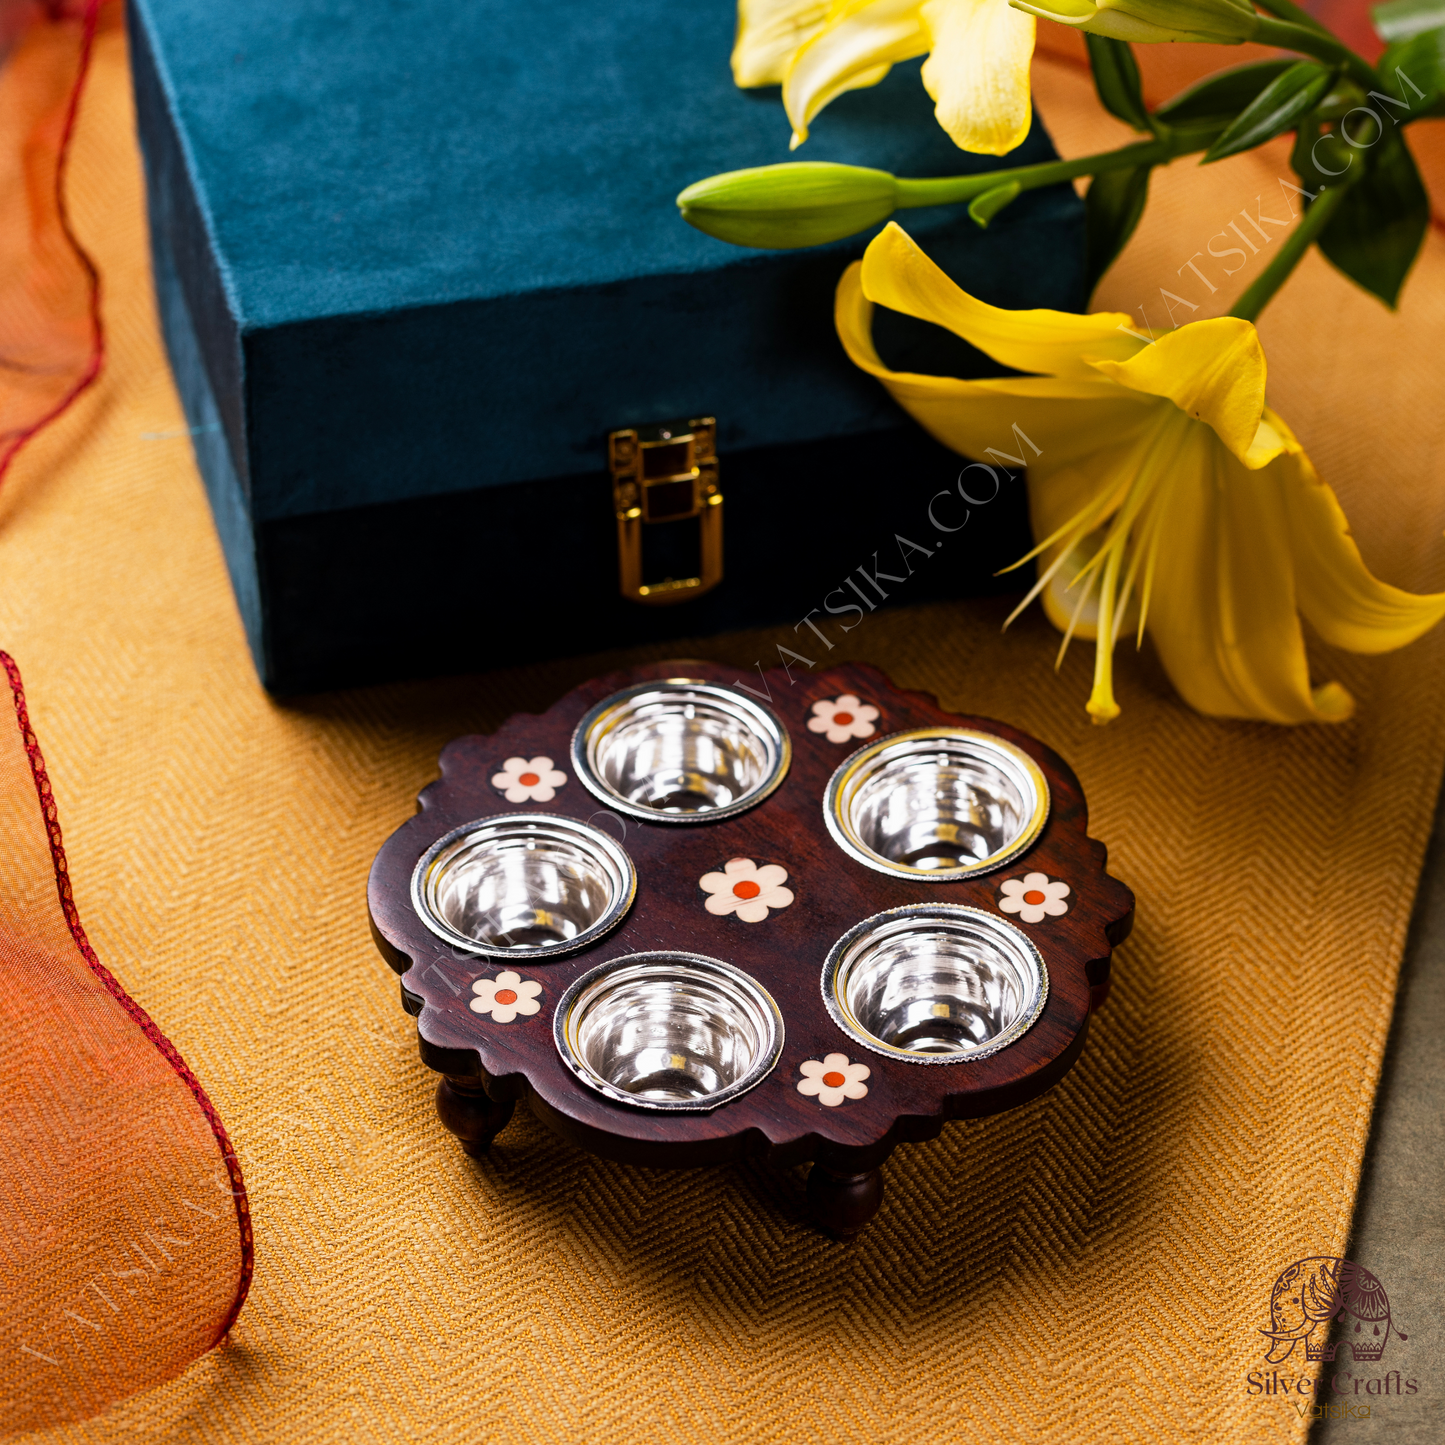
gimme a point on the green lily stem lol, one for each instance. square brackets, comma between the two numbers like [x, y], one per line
[1308, 41]
[1291, 250]
[1295, 14]
[948, 190]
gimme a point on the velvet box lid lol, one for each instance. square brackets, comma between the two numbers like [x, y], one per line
[418, 250]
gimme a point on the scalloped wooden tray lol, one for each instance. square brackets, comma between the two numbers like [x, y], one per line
[488, 1065]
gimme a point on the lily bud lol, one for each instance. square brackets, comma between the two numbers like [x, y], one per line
[803, 203]
[1214, 22]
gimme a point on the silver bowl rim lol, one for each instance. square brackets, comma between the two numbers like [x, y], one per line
[761, 1067]
[844, 836]
[582, 762]
[541, 822]
[841, 1016]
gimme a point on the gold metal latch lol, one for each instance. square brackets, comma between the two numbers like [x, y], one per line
[666, 473]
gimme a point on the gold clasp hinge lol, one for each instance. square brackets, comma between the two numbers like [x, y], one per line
[666, 473]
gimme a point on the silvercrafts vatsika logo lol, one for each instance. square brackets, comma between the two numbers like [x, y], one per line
[1314, 1294]
[1341, 1313]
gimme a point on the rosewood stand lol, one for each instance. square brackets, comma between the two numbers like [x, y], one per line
[769, 890]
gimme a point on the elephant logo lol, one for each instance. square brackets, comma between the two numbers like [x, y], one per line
[1314, 1293]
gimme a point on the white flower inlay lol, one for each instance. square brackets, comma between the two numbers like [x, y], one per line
[833, 1080]
[505, 996]
[745, 889]
[529, 780]
[841, 718]
[1033, 896]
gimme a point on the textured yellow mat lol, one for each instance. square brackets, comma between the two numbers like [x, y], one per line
[1093, 1266]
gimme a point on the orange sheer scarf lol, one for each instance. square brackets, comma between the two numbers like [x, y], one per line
[50, 332]
[125, 1239]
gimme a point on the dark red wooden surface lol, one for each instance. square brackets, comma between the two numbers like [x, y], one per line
[785, 952]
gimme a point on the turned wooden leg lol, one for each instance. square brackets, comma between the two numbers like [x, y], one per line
[464, 1108]
[841, 1204]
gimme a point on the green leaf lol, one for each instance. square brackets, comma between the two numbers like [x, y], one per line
[1222, 96]
[1400, 19]
[1415, 65]
[1112, 208]
[1116, 78]
[1276, 108]
[1380, 226]
[985, 207]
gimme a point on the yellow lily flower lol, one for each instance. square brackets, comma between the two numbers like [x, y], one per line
[977, 69]
[1158, 478]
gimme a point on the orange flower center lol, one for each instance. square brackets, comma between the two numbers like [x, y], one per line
[746, 889]
[506, 995]
[843, 717]
[1034, 897]
[834, 1080]
[529, 780]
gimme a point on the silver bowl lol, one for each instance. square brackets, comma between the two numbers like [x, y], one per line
[937, 804]
[523, 883]
[673, 1031]
[935, 983]
[680, 751]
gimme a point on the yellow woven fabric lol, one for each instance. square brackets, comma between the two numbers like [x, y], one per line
[1094, 1266]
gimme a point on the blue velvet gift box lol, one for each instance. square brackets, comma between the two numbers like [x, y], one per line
[416, 259]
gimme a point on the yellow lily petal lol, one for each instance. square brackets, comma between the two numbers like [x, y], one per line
[769, 34]
[897, 274]
[978, 72]
[1346, 604]
[1223, 611]
[1269, 441]
[858, 45]
[1214, 372]
[1069, 421]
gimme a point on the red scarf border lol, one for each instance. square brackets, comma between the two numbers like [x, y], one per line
[138, 1015]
